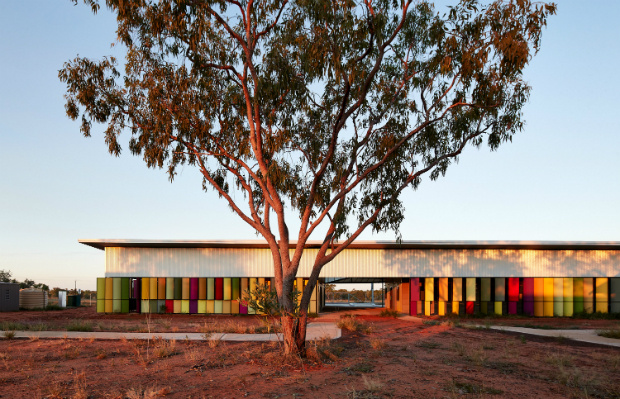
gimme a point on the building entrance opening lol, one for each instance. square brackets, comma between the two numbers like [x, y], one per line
[353, 293]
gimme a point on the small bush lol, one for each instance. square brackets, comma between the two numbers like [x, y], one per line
[351, 323]
[389, 313]
[79, 325]
[9, 334]
[377, 343]
[428, 344]
[610, 333]
[12, 326]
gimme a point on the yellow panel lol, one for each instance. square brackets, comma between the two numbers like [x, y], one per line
[539, 290]
[152, 288]
[588, 289]
[185, 290]
[145, 288]
[457, 289]
[602, 307]
[261, 281]
[226, 307]
[455, 307]
[602, 289]
[548, 290]
[109, 306]
[470, 289]
[314, 294]
[441, 308]
[227, 289]
[218, 307]
[313, 307]
[539, 310]
[210, 306]
[161, 288]
[170, 288]
[185, 306]
[177, 306]
[234, 307]
[578, 289]
[100, 305]
[253, 283]
[443, 290]
[558, 289]
[568, 290]
[498, 307]
[548, 309]
[558, 308]
[429, 289]
[427, 308]
[202, 305]
[588, 306]
[109, 289]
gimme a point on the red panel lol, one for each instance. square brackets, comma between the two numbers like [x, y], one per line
[513, 289]
[413, 308]
[469, 307]
[169, 306]
[528, 289]
[415, 289]
[512, 307]
[219, 289]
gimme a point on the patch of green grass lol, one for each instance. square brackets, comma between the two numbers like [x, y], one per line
[610, 333]
[12, 326]
[79, 325]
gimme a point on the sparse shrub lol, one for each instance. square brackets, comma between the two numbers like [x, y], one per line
[609, 333]
[12, 326]
[101, 354]
[351, 323]
[389, 313]
[459, 348]
[164, 348]
[428, 344]
[79, 325]
[9, 334]
[377, 343]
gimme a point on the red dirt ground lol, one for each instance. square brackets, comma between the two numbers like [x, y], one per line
[390, 358]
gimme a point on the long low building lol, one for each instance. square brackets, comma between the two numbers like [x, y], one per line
[424, 277]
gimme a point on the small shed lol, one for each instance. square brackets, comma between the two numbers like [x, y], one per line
[9, 297]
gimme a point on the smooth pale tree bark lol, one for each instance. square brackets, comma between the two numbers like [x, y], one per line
[319, 110]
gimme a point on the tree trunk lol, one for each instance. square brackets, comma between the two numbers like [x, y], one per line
[294, 334]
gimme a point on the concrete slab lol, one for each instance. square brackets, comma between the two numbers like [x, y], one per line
[315, 331]
[589, 336]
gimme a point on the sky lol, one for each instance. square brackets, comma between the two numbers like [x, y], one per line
[558, 179]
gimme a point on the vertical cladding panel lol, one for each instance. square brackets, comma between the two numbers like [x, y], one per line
[485, 289]
[161, 288]
[513, 289]
[185, 289]
[469, 307]
[427, 308]
[169, 305]
[170, 288]
[588, 289]
[152, 288]
[588, 306]
[512, 307]
[614, 295]
[219, 289]
[193, 306]
[185, 306]
[498, 307]
[137, 290]
[116, 306]
[484, 307]
[108, 305]
[100, 305]
[558, 308]
[415, 290]
[218, 306]
[404, 297]
[109, 289]
[441, 308]
[101, 288]
[178, 289]
[252, 282]
[202, 289]
[558, 289]
[548, 309]
[261, 281]
[145, 305]
[226, 306]
[429, 289]
[568, 296]
[227, 289]
[500, 290]
[602, 297]
[146, 284]
[125, 288]
[548, 289]
[210, 289]
[528, 289]
[234, 306]
[443, 290]
[177, 306]
[193, 289]
[539, 309]
[161, 306]
[235, 289]
[470, 290]
[202, 306]
[210, 306]
[539, 289]
[528, 308]
[124, 305]
[578, 289]
[153, 306]
[457, 289]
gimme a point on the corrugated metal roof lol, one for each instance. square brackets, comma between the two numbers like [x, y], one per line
[546, 245]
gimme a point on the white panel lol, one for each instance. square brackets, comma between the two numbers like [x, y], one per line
[255, 262]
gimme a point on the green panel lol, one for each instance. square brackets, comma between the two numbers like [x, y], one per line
[144, 306]
[578, 290]
[614, 307]
[500, 291]
[485, 290]
[116, 305]
[154, 306]
[178, 288]
[100, 288]
[108, 305]
[116, 288]
[568, 290]
[470, 289]
[226, 307]
[210, 289]
[235, 289]
[568, 308]
[170, 288]
[185, 290]
[484, 307]
[161, 306]
[202, 306]
[217, 307]
[614, 290]
[558, 289]
[100, 305]
[578, 306]
[558, 308]
[177, 305]
[498, 307]
[227, 289]
[210, 306]
[125, 289]
[125, 306]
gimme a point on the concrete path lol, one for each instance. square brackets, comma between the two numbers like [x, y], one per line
[315, 331]
[577, 335]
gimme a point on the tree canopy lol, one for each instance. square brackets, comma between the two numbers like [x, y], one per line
[325, 109]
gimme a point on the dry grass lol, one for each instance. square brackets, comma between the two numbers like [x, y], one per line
[352, 323]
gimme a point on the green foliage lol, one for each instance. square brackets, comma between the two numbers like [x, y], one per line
[79, 325]
[609, 333]
[264, 300]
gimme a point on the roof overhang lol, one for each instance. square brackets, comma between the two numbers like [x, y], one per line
[540, 245]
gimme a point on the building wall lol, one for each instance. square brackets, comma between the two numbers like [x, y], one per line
[9, 297]
[387, 263]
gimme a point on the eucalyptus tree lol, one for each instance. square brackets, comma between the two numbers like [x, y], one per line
[325, 110]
